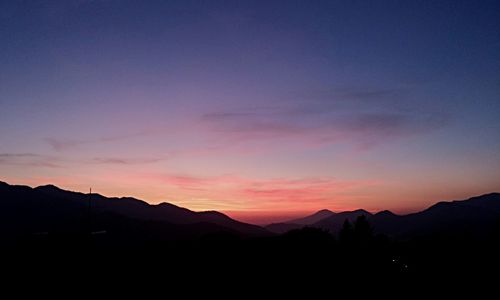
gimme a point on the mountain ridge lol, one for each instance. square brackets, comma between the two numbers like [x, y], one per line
[44, 206]
[49, 201]
[441, 216]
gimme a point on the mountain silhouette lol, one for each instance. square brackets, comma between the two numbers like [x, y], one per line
[311, 219]
[324, 219]
[47, 226]
[472, 215]
[26, 210]
[335, 222]
[300, 222]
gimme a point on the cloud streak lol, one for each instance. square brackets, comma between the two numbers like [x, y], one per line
[47, 161]
[230, 192]
[363, 118]
[17, 155]
[124, 161]
[28, 159]
[62, 144]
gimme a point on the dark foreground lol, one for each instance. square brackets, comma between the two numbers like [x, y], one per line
[56, 238]
[307, 257]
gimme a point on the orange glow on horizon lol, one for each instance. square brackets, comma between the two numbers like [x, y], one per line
[251, 200]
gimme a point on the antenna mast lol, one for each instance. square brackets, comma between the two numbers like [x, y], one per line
[89, 212]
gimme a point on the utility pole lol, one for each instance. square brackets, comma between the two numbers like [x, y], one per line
[89, 213]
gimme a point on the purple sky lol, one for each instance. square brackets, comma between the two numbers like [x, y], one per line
[261, 109]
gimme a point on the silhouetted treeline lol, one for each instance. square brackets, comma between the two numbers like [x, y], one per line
[354, 250]
[46, 229]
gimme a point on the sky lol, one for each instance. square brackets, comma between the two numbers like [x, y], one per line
[264, 110]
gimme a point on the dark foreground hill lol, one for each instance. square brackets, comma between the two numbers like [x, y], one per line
[45, 229]
[46, 210]
[474, 216]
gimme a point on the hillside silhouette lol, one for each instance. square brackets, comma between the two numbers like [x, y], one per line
[49, 209]
[47, 225]
[474, 216]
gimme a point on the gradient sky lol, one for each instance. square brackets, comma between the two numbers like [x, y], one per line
[261, 109]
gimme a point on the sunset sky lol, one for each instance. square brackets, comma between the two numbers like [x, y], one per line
[264, 110]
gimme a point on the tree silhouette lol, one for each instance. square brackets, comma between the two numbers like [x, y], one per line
[346, 234]
[362, 231]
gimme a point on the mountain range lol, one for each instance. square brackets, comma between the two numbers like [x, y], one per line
[470, 216]
[44, 209]
[49, 209]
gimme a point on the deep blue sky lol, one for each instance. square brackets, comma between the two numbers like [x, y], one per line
[253, 106]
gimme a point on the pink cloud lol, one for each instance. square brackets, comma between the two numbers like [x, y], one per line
[228, 192]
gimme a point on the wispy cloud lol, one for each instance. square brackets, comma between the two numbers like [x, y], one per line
[61, 144]
[235, 192]
[124, 161]
[28, 159]
[363, 118]
[221, 116]
[41, 160]
[354, 94]
[17, 155]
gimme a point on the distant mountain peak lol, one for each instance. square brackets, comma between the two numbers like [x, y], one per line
[60, 205]
[311, 219]
[49, 187]
[385, 213]
[360, 211]
[166, 204]
[212, 212]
